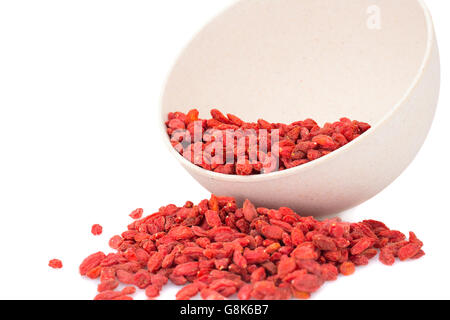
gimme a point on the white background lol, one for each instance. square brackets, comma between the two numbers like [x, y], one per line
[80, 83]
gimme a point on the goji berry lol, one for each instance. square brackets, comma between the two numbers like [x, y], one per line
[408, 251]
[361, 245]
[94, 273]
[324, 243]
[300, 294]
[347, 268]
[127, 298]
[108, 295]
[107, 274]
[125, 277]
[186, 269]
[96, 229]
[55, 264]
[249, 211]
[137, 214]
[307, 283]
[245, 292]
[188, 292]
[272, 232]
[91, 262]
[286, 266]
[142, 279]
[107, 285]
[212, 218]
[258, 274]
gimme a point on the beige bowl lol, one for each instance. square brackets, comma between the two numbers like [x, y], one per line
[287, 60]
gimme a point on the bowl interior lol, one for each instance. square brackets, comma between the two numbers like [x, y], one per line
[288, 60]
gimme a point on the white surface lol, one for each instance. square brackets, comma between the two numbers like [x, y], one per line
[80, 84]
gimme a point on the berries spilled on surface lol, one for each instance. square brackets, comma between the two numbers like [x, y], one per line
[220, 251]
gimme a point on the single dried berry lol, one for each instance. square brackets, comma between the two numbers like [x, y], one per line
[408, 251]
[286, 266]
[387, 257]
[125, 277]
[272, 232]
[300, 294]
[137, 214]
[96, 229]
[128, 290]
[361, 245]
[188, 292]
[152, 291]
[307, 283]
[222, 251]
[108, 295]
[155, 262]
[249, 211]
[94, 273]
[91, 262]
[324, 243]
[347, 268]
[329, 272]
[186, 269]
[245, 292]
[212, 218]
[305, 253]
[115, 242]
[125, 298]
[55, 264]
[142, 279]
[107, 285]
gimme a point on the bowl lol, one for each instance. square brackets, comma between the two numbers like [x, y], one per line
[288, 60]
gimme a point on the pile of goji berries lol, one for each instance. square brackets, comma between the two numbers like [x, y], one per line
[297, 143]
[96, 229]
[219, 250]
[55, 264]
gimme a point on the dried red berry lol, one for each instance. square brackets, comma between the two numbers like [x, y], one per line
[249, 211]
[307, 283]
[96, 229]
[115, 242]
[152, 291]
[387, 257]
[212, 218]
[107, 285]
[408, 251]
[142, 279]
[361, 245]
[137, 214]
[91, 262]
[55, 264]
[108, 295]
[186, 269]
[324, 243]
[155, 262]
[272, 232]
[188, 292]
[347, 268]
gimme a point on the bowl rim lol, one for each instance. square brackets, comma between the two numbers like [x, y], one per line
[431, 39]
